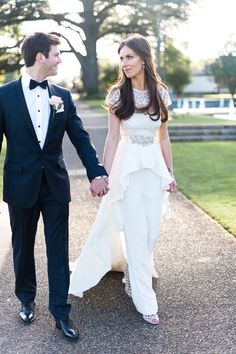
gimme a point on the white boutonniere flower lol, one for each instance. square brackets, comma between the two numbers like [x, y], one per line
[57, 104]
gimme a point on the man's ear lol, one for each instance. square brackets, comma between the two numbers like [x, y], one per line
[40, 58]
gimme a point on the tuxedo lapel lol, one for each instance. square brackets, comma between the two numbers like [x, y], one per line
[23, 108]
[50, 123]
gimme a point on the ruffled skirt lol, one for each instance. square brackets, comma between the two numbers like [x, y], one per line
[143, 169]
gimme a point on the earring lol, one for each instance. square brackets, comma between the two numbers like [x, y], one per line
[143, 66]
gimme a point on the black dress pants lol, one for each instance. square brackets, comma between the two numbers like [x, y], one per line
[24, 226]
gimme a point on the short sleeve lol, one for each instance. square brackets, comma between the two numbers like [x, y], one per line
[165, 96]
[113, 96]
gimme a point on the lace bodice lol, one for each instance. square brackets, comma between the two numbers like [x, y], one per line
[141, 97]
[139, 127]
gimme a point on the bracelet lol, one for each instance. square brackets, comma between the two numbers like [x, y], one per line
[169, 170]
[99, 177]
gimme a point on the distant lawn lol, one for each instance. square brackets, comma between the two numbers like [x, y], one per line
[96, 104]
[197, 119]
[205, 172]
[2, 157]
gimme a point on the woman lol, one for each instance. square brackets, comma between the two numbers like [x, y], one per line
[137, 156]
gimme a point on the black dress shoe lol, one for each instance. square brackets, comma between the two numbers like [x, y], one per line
[68, 330]
[27, 314]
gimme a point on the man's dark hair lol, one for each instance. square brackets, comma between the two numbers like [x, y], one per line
[38, 42]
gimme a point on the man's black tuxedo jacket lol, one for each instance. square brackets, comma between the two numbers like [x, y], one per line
[25, 160]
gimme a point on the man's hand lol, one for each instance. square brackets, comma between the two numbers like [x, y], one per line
[99, 187]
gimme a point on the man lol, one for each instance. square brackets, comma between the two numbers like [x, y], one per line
[34, 115]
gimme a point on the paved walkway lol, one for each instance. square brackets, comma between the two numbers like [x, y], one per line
[196, 261]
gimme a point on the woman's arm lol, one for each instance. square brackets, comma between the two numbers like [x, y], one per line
[112, 140]
[164, 141]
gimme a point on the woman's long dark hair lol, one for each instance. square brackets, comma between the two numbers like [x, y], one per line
[125, 107]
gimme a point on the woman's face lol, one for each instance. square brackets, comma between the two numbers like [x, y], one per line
[131, 63]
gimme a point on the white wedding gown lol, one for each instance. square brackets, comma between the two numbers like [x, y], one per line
[128, 220]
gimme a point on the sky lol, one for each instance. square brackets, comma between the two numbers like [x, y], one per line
[210, 24]
[202, 37]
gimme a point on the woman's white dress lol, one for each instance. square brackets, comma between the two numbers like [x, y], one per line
[127, 224]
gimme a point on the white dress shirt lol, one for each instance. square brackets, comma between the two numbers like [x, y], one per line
[37, 101]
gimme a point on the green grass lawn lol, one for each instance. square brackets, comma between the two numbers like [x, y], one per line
[96, 104]
[197, 119]
[205, 173]
[2, 156]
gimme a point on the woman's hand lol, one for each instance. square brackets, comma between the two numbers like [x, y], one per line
[172, 186]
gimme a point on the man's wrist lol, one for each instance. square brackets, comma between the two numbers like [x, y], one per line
[100, 177]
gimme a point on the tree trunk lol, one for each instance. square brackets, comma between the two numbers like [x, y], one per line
[89, 68]
[89, 65]
[234, 100]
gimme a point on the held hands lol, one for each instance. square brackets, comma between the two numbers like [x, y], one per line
[172, 186]
[99, 187]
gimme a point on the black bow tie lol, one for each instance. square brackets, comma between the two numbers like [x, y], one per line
[34, 84]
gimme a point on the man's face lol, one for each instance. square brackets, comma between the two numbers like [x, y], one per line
[52, 61]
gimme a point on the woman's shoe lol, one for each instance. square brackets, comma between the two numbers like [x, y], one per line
[127, 281]
[153, 319]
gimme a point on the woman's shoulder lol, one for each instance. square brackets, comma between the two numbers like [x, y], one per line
[163, 91]
[113, 96]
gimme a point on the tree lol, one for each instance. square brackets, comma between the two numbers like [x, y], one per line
[93, 21]
[108, 75]
[175, 68]
[96, 19]
[12, 14]
[224, 72]
[9, 53]
[163, 15]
